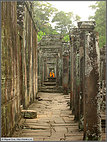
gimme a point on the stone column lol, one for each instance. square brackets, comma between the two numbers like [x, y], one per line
[103, 72]
[57, 74]
[82, 79]
[45, 69]
[92, 119]
[75, 88]
[36, 65]
[65, 72]
[71, 91]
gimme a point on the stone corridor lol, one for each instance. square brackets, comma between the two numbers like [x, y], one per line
[54, 121]
[76, 92]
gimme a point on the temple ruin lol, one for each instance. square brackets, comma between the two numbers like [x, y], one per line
[78, 67]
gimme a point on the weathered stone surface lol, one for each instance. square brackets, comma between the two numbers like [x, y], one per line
[65, 79]
[29, 114]
[50, 125]
[18, 62]
[85, 88]
[9, 67]
[86, 79]
[51, 49]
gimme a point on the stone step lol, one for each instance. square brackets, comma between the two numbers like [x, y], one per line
[103, 116]
[103, 121]
[52, 79]
[48, 87]
[49, 90]
[49, 83]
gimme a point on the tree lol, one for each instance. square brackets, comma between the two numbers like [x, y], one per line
[64, 21]
[100, 19]
[42, 13]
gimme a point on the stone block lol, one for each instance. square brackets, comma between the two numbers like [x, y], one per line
[29, 114]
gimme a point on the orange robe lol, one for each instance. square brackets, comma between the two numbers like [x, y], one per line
[53, 74]
[50, 74]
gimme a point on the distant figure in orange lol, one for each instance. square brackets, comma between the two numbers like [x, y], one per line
[51, 74]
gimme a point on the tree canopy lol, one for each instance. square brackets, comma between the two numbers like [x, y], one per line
[100, 19]
[64, 21]
[42, 13]
[45, 14]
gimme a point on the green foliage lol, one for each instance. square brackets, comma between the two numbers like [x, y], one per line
[40, 35]
[77, 18]
[100, 19]
[54, 32]
[43, 11]
[66, 38]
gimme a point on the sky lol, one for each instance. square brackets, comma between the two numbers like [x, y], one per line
[80, 8]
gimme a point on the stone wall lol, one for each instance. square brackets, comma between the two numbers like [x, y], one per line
[28, 40]
[18, 63]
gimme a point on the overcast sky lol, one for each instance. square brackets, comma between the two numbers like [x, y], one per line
[80, 8]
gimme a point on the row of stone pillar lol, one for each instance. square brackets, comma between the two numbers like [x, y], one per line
[85, 69]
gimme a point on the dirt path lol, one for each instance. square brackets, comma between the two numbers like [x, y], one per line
[54, 121]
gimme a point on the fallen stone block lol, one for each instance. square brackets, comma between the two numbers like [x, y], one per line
[29, 114]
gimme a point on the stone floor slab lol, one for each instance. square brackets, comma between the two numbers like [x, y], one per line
[54, 121]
